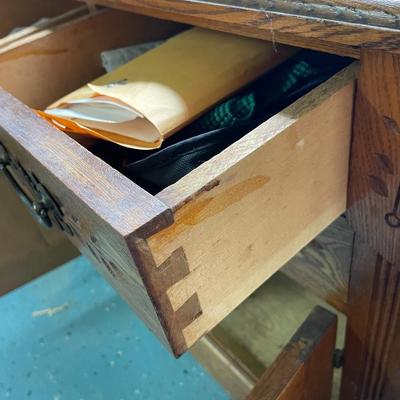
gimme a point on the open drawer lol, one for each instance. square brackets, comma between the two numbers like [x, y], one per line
[186, 257]
[279, 342]
[27, 249]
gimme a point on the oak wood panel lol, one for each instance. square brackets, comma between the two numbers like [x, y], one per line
[264, 198]
[373, 328]
[374, 304]
[49, 64]
[374, 196]
[27, 251]
[229, 370]
[101, 209]
[252, 336]
[70, 51]
[335, 26]
[303, 370]
[323, 266]
[20, 13]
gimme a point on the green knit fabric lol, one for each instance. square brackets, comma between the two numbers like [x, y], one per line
[245, 105]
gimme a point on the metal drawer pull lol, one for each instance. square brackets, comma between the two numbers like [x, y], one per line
[36, 197]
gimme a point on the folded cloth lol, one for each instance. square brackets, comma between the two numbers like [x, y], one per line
[113, 59]
[224, 124]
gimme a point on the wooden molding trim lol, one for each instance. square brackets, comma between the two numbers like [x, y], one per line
[372, 333]
[335, 26]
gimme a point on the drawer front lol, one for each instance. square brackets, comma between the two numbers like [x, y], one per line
[185, 258]
[27, 249]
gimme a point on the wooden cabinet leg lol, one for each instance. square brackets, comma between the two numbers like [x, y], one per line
[372, 354]
[372, 329]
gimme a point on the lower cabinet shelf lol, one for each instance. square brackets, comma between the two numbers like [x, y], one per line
[278, 344]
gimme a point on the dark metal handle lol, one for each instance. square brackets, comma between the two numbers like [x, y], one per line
[393, 218]
[39, 202]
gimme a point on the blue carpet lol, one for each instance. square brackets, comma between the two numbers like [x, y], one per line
[93, 348]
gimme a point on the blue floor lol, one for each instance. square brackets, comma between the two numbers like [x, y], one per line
[93, 347]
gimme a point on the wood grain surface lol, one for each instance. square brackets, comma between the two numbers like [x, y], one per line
[70, 51]
[241, 348]
[374, 187]
[324, 265]
[336, 26]
[100, 208]
[373, 330]
[230, 371]
[303, 370]
[49, 64]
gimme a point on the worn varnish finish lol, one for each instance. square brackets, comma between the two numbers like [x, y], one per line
[374, 196]
[336, 26]
[101, 211]
[373, 328]
[303, 370]
[28, 250]
[324, 265]
[70, 50]
[374, 304]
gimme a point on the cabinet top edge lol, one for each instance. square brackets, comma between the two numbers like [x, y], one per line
[336, 26]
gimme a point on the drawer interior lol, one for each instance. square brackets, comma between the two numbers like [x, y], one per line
[241, 347]
[197, 249]
[22, 13]
[49, 64]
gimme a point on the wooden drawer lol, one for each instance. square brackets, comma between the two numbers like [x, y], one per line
[186, 257]
[281, 338]
[27, 249]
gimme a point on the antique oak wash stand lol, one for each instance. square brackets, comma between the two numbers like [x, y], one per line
[368, 30]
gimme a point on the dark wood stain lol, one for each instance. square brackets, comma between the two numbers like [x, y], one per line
[378, 185]
[392, 125]
[385, 163]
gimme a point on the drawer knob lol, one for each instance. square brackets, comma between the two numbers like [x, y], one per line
[393, 218]
[32, 193]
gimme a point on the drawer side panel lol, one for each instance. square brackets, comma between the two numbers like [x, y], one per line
[267, 197]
